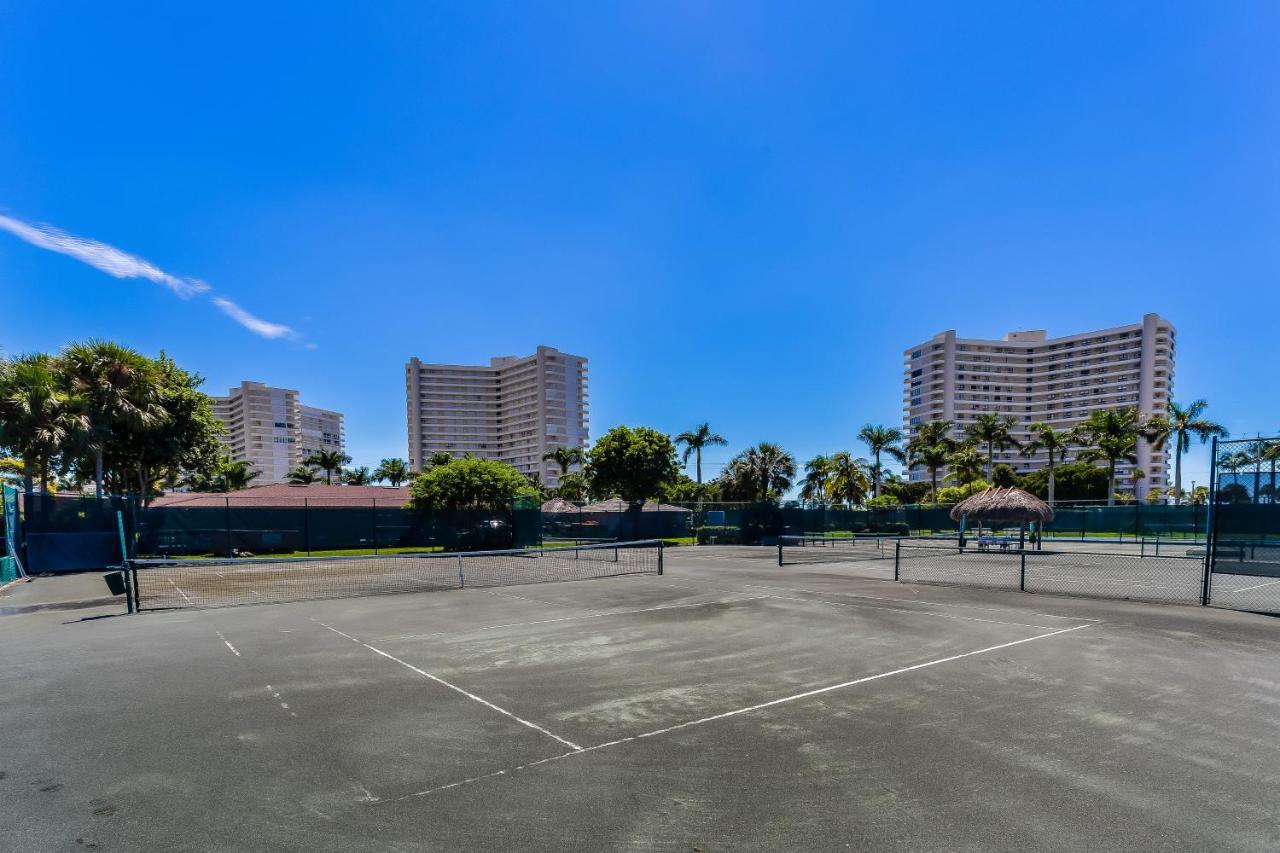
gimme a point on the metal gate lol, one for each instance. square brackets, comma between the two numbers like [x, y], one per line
[1242, 552]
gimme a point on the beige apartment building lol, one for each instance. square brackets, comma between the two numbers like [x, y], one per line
[515, 409]
[270, 429]
[1035, 378]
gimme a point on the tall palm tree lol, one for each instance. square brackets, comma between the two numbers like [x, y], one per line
[930, 447]
[564, 457]
[995, 431]
[356, 476]
[701, 436]
[235, 475]
[881, 439]
[965, 465]
[1271, 454]
[328, 461]
[117, 387]
[816, 477]
[849, 479]
[37, 417]
[1111, 436]
[303, 475]
[394, 470]
[1055, 442]
[1181, 424]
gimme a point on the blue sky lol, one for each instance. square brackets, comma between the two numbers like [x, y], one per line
[739, 212]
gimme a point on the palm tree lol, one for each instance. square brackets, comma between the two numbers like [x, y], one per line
[881, 439]
[1111, 436]
[1055, 442]
[117, 387]
[36, 416]
[965, 465]
[564, 457]
[816, 477]
[1183, 423]
[763, 470]
[993, 430]
[236, 474]
[849, 480]
[694, 441]
[328, 461]
[395, 470]
[356, 476]
[303, 476]
[930, 447]
[1271, 453]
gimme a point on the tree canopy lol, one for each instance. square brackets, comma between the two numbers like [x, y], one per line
[633, 463]
[469, 484]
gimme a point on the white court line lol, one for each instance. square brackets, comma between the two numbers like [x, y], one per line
[179, 589]
[228, 643]
[1259, 586]
[889, 609]
[592, 615]
[725, 715]
[455, 688]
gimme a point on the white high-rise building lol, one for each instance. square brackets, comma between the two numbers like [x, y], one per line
[515, 409]
[270, 429]
[1034, 378]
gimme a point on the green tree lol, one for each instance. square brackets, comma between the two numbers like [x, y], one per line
[303, 475]
[930, 447]
[849, 482]
[1199, 496]
[564, 457]
[881, 439]
[440, 457]
[817, 474]
[632, 463]
[1181, 425]
[357, 476]
[996, 432]
[37, 416]
[117, 386]
[396, 471]
[469, 484]
[572, 487]
[955, 494]
[695, 440]
[684, 489]
[229, 475]
[1004, 476]
[328, 461]
[1054, 442]
[760, 473]
[1110, 436]
[964, 465]
[1076, 481]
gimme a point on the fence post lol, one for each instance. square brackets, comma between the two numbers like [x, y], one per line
[306, 526]
[1022, 571]
[1210, 524]
[661, 546]
[897, 557]
[374, 502]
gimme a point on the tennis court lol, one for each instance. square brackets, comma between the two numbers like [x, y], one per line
[726, 704]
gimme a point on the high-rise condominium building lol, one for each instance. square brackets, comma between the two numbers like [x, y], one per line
[270, 429]
[515, 409]
[1034, 378]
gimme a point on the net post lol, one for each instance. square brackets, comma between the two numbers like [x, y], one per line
[1210, 523]
[779, 550]
[137, 595]
[462, 580]
[897, 557]
[1022, 571]
[661, 547]
[125, 564]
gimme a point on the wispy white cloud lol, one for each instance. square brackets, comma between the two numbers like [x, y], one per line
[109, 259]
[257, 325]
[121, 264]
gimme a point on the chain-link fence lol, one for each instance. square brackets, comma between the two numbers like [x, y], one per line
[1244, 538]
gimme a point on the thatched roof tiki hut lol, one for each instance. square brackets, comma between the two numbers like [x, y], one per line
[1007, 506]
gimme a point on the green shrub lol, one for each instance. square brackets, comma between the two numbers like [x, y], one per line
[722, 534]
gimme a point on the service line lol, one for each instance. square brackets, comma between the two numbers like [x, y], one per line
[736, 712]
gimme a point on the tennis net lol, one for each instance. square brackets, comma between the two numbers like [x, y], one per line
[166, 584]
[817, 548]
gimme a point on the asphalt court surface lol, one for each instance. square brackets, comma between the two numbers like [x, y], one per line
[729, 704]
